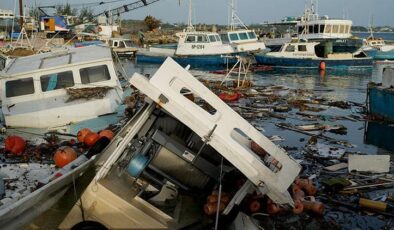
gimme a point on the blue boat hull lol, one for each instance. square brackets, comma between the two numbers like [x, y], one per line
[388, 55]
[380, 135]
[194, 61]
[312, 63]
[381, 102]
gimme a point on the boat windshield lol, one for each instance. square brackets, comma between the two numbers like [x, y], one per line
[212, 38]
[252, 35]
[234, 37]
[224, 37]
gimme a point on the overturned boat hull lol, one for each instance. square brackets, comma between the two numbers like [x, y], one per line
[176, 147]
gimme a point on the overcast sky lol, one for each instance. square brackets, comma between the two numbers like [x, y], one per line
[250, 11]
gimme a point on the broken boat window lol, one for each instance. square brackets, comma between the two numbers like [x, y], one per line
[19, 87]
[198, 100]
[251, 146]
[94, 74]
[56, 81]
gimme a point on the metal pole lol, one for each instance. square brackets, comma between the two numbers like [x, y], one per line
[21, 13]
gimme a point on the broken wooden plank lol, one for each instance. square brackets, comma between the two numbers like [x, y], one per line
[336, 167]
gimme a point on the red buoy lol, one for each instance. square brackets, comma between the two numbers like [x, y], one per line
[64, 155]
[322, 65]
[82, 134]
[90, 139]
[107, 133]
[15, 144]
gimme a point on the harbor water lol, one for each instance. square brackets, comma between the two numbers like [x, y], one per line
[348, 85]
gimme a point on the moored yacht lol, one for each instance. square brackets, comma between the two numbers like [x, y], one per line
[311, 54]
[323, 29]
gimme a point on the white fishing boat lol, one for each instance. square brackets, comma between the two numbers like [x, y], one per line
[310, 55]
[123, 47]
[59, 88]
[240, 37]
[323, 29]
[202, 48]
[184, 143]
[6, 14]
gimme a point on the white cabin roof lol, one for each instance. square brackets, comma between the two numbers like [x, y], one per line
[61, 58]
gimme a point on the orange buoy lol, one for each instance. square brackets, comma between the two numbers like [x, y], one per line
[82, 134]
[314, 206]
[64, 155]
[298, 207]
[107, 133]
[322, 65]
[90, 139]
[211, 208]
[307, 185]
[15, 144]
[254, 206]
[273, 208]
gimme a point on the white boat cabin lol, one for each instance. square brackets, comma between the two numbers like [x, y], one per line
[243, 40]
[201, 43]
[6, 14]
[296, 50]
[309, 50]
[311, 26]
[119, 43]
[324, 28]
[122, 46]
[377, 43]
[34, 87]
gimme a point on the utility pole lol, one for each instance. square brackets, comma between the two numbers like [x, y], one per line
[21, 13]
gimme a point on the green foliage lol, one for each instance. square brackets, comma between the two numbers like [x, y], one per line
[66, 10]
[151, 22]
[86, 15]
[35, 12]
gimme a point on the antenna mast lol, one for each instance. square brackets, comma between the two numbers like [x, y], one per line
[235, 21]
[190, 26]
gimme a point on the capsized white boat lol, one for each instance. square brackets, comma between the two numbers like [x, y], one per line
[58, 88]
[184, 143]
